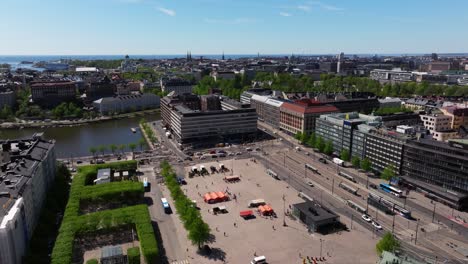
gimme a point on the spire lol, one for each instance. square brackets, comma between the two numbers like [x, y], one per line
[223, 56]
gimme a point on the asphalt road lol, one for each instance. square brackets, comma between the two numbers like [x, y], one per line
[292, 171]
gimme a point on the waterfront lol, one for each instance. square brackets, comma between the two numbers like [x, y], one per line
[75, 141]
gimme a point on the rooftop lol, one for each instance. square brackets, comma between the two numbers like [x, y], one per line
[19, 159]
[309, 108]
[315, 211]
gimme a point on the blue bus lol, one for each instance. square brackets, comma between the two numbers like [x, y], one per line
[390, 189]
[166, 206]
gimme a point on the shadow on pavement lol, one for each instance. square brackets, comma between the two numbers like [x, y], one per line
[162, 251]
[212, 253]
[148, 201]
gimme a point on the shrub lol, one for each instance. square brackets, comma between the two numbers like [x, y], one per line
[133, 255]
[92, 261]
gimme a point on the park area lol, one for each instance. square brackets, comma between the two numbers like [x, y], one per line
[125, 228]
[244, 209]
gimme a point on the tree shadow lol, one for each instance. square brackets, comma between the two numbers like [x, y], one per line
[162, 251]
[148, 200]
[212, 253]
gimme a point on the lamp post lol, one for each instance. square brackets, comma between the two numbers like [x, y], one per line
[333, 184]
[393, 224]
[416, 235]
[321, 241]
[433, 212]
[284, 210]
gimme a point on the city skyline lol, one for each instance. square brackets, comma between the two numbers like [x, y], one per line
[234, 27]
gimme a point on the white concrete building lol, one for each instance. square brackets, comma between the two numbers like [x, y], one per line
[126, 103]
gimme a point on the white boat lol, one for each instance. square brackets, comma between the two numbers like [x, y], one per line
[133, 129]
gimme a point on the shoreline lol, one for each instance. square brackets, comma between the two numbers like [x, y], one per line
[73, 123]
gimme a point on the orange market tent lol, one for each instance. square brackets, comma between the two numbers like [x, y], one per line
[221, 196]
[214, 196]
[265, 209]
[207, 198]
[268, 208]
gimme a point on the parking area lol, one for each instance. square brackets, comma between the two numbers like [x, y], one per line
[239, 240]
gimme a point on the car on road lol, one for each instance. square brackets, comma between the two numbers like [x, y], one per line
[199, 154]
[214, 156]
[222, 155]
[257, 149]
[202, 157]
[366, 218]
[180, 161]
[248, 149]
[79, 162]
[311, 184]
[213, 152]
[324, 161]
[188, 158]
[239, 153]
[222, 151]
[376, 225]
[373, 186]
[231, 154]
[306, 153]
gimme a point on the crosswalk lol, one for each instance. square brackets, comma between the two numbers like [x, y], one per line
[181, 262]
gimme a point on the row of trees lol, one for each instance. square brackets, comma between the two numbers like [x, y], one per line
[113, 147]
[198, 230]
[67, 110]
[317, 142]
[231, 88]
[148, 131]
[332, 83]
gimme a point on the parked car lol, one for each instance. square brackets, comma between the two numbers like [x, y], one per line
[239, 153]
[324, 161]
[376, 225]
[306, 153]
[366, 218]
[221, 155]
[213, 152]
[214, 156]
[188, 158]
[79, 162]
[373, 186]
[248, 149]
[231, 154]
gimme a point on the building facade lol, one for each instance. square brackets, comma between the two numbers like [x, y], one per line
[27, 171]
[301, 115]
[195, 127]
[439, 126]
[126, 103]
[268, 109]
[50, 94]
[178, 86]
[7, 98]
[339, 128]
[437, 163]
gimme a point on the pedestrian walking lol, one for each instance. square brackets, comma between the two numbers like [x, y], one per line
[217, 229]
[224, 233]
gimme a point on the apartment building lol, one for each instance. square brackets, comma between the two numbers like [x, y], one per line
[27, 172]
[178, 86]
[50, 94]
[439, 126]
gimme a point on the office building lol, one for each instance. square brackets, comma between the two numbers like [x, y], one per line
[194, 127]
[247, 95]
[97, 89]
[459, 116]
[178, 86]
[339, 128]
[50, 94]
[391, 76]
[27, 172]
[268, 109]
[439, 168]
[210, 103]
[385, 148]
[126, 103]
[224, 75]
[300, 115]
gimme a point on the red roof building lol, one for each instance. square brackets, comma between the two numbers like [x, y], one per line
[300, 115]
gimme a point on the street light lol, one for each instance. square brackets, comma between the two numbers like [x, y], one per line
[433, 212]
[321, 247]
[284, 210]
[416, 235]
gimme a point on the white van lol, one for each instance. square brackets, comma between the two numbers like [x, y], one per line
[258, 260]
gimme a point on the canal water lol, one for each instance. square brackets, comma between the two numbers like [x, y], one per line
[76, 141]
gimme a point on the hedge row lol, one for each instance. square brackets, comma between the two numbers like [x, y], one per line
[148, 131]
[198, 230]
[73, 224]
[133, 255]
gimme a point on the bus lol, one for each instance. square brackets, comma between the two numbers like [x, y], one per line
[146, 184]
[348, 188]
[390, 189]
[166, 206]
[272, 174]
[347, 176]
[356, 207]
[312, 168]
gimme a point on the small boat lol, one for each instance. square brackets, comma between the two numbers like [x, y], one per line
[133, 130]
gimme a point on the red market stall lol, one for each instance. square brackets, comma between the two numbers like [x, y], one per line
[246, 214]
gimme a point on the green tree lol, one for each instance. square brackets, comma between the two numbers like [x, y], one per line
[388, 173]
[356, 161]
[328, 148]
[312, 139]
[102, 149]
[122, 148]
[298, 135]
[142, 143]
[366, 164]
[93, 150]
[320, 144]
[113, 148]
[132, 147]
[304, 138]
[387, 243]
[6, 112]
[345, 155]
[199, 232]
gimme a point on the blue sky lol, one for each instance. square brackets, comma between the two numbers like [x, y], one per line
[57, 27]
